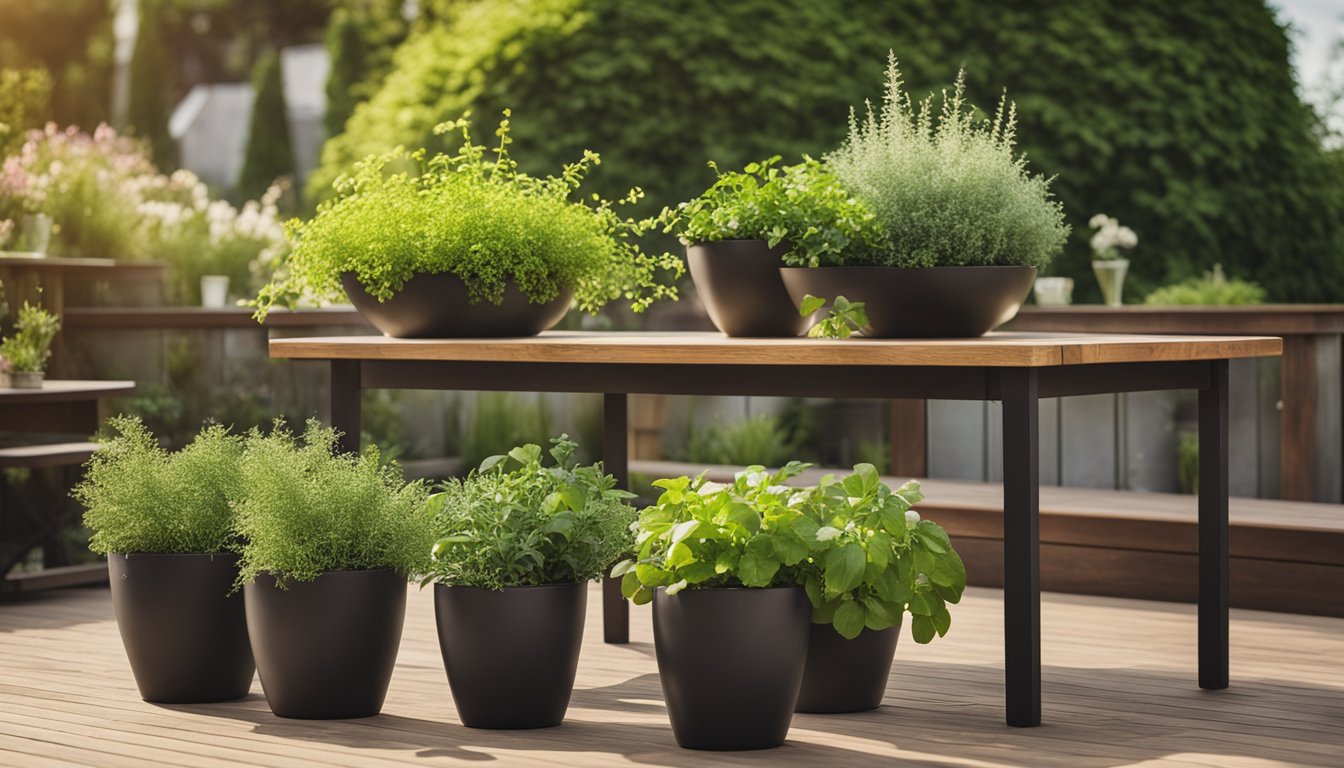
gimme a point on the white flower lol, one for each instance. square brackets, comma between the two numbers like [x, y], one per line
[911, 518]
[779, 490]
[710, 488]
[798, 498]
[1098, 221]
[753, 477]
[732, 224]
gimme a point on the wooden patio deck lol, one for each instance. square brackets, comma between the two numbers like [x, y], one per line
[1119, 688]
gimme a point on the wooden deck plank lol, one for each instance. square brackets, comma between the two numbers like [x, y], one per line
[1118, 680]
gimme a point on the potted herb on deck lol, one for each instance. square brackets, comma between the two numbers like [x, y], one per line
[24, 353]
[964, 224]
[737, 232]
[519, 543]
[165, 523]
[874, 560]
[468, 245]
[330, 540]
[730, 625]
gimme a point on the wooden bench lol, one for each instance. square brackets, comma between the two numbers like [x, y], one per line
[1285, 556]
[45, 456]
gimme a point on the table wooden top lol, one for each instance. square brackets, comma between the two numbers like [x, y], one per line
[66, 390]
[1255, 319]
[992, 350]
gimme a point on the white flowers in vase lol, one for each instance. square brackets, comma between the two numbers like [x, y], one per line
[1110, 237]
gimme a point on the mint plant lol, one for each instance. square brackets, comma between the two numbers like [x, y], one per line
[514, 522]
[478, 217]
[842, 320]
[803, 206]
[702, 534]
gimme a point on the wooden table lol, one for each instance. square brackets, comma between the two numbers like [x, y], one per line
[1016, 368]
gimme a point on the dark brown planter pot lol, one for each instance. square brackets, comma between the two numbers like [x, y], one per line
[185, 635]
[739, 283]
[731, 663]
[325, 648]
[846, 675]
[511, 654]
[436, 306]
[934, 302]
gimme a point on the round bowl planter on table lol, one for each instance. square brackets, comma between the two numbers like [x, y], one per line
[437, 306]
[739, 283]
[929, 302]
[846, 675]
[185, 634]
[325, 648]
[731, 663]
[511, 654]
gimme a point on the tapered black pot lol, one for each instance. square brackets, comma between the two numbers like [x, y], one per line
[739, 283]
[846, 675]
[436, 306]
[511, 654]
[325, 648]
[185, 635]
[933, 302]
[731, 663]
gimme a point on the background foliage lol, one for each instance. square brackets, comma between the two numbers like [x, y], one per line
[1181, 119]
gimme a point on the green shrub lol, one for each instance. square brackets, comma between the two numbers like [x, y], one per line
[141, 498]
[270, 151]
[360, 40]
[1199, 142]
[759, 439]
[480, 219]
[27, 349]
[308, 509]
[152, 84]
[1213, 289]
[948, 189]
[515, 523]
[25, 99]
[803, 206]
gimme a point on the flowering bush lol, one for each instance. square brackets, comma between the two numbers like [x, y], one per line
[1110, 237]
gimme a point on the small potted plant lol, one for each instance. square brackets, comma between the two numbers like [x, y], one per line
[519, 543]
[468, 245]
[165, 522]
[964, 225]
[730, 623]
[329, 542]
[737, 232]
[1107, 263]
[24, 353]
[874, 560]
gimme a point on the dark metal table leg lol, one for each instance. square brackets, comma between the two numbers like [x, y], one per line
[616, 461]
[1213, 536]
[1021, 547]
[345, 393]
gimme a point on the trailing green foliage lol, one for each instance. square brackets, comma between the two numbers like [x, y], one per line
[308, 509]
[844, 319]
[141, 498]
[480, 219]
[1212, 289]
[270, 151]
[759, 439]
[515, 523]
[948, 188]
[874, 558]
[803, 206]
[27, 349]
[1199, 142]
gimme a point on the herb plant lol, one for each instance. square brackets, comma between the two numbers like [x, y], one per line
[308, 509]
[514, 522]
[803, 206]
[1213, 289]
[404, 213]
[948, 189]
[874, 558]
[27, 349]
[701, 534]
[844, 319]
[141, 498]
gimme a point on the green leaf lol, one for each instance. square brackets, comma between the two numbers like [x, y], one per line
[620, 569]
[849, 619]
[811, 304]
[867, 474]
[844, 567]
[682, 530]
[758, 565]
[827, 533]
[561, 523]
[814, 593]
[922, 629]
[805, 527]
[491, 462]
[878, 615]
[643, 596]
[673, 589]
[526, 454]
[824, 612]
[933, 536]
[652, 575]
[630, 584]
[879, 550]
[893, 519]
[697, 572]
[727, 561]
[743, 515]
[790, 549]
[679, 555]
[942, 620]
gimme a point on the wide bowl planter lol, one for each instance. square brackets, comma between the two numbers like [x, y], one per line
[511, 654]
[436, 306]
[325, 648]
[933, 302]
[739, 283]
[846, 675]
[185, 635]
[731, 663]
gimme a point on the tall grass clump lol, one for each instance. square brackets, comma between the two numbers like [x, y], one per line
[946, 185]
